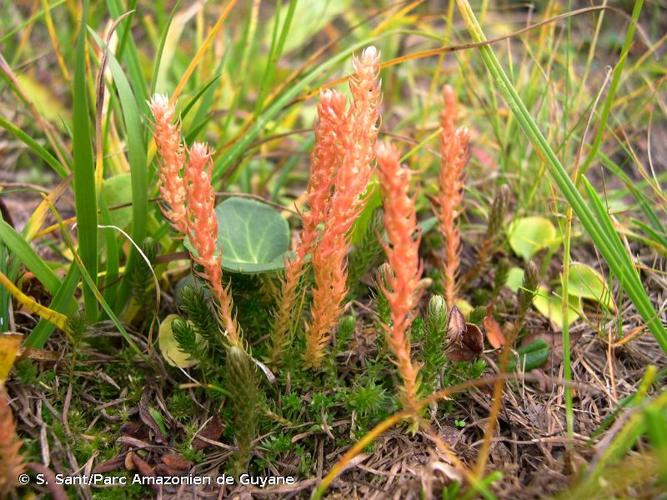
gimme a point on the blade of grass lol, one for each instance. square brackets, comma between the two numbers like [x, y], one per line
[112, 259]
[24, 252]
[35, 147]
[91, 284]
[32, 19]
[644, 203]
[59, 320]
[275, 53]
[127, 49]
[242, 52]
[62, 303]
[136, 153]
[158, 55]
[84, 171]
[613, 86]
[597, 224]
[202, 50]
[55, 42]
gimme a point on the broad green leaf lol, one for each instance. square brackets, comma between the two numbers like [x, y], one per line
[169, 347]
[253, 236]
[587, 283]
[551, 306]
[529, 235]
[514, 279]
[117, 191]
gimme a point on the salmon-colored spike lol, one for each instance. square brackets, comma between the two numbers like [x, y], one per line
[325, 159]
[356, 142]
[203, 233]
[401, 283]
[454, 156]
[172, 160]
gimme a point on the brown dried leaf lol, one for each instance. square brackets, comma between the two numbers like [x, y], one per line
[212, 430]
[176, 462]
[466, 341]
[494, 333]
[142, 466]
[110, 465]
[147, 419]
[456, 325]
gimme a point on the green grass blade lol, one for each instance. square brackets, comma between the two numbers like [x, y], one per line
[599, 228]
[613, 86]
[136, 152]
[652, 235]
[35, 17]
[234, 153]
[35, 147]
[160, 49]
[84, 171]
[112, 259]
[127, 50]
[61, 302]
[275, 53]
[24, 252]
[644, 203]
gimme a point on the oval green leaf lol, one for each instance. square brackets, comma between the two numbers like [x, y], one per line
[551, 306]
[254, 237]
[587, 283]
[529, 235]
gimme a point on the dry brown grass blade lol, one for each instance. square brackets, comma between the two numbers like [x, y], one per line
[202, 50]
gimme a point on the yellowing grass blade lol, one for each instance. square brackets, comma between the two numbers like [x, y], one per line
[59, 320]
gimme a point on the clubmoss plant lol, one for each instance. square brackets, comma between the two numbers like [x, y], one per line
[434, 339]
[402, 284]
[454, 156]
[493, 231]
[357, 151]
[201, 228]
[172, 161]
[324, 162]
